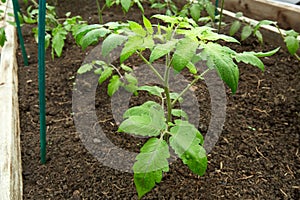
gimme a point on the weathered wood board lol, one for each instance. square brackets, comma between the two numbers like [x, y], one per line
[10, 154]
[287, 16]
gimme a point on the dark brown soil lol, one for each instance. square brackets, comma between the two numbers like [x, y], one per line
[257, 155]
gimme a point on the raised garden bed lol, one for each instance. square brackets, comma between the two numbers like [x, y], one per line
[10, 152]
[256, 157]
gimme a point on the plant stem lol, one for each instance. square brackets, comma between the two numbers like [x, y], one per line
[100, 11]
[296, 55]
[189, 86]
[169, 104]
[167, 88]
[221, 16]
[151, 67]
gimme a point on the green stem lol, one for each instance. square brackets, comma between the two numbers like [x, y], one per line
[100, 11]
[151, 67]
[167, 90]
[296, 55]
[169, 104]
[221, 16]
[189, 86]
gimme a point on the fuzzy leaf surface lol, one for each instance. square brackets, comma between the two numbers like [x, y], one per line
[83, 30]
[111, 42]
[186, 141]
[144, 120]
[185, 51]
[161, 50]
[151, 163]
[114, 85]
[58, 40]
[133, 44]
[154, 90]
[249, 58]
[220, 58]
[85, 68]
[93, 36]
[107, 72]
[179, 113]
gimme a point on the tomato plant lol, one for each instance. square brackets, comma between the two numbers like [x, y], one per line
[181, 43]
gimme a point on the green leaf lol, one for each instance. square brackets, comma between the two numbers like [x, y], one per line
[137, 28]
[186, 141]
[2, 36]
[114, 85]
[111, 42]
[265, 54]
[292, 33]
[238, 14]
[192, 68]
[262, 23]
[185, 51]
[220, 58]
[166, 19]
[58, 40]
[78, 34]
[148, 42]
[162, 49]
[211, 36]
[109, 3]
[154, 90]
[246, 32]
[174, 95]
[151, 163]
[126, 68]
[140, 110]
[148, 25]
[92, 37]
[150, 121]
[107, 72]
[195, 11]
[249, 58]
[158, 5]
[140, 6]
[85, 68]
[210, 8]
[292, 44]
[259, 37]
[234, 27]
[133, 44]
[126, 4]
[131, 79]
[180, 113]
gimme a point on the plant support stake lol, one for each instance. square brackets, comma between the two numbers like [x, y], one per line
[41, 63]
[16, 10]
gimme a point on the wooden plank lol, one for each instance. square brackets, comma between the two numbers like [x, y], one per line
[10, 154]
[287, 16]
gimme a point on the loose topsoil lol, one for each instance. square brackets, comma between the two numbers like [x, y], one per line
[256, 157]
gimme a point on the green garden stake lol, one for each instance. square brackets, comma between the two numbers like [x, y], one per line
[41, 63]
[16, 8]
[216, 8]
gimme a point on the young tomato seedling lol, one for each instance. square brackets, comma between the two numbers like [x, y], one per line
[181, 43]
